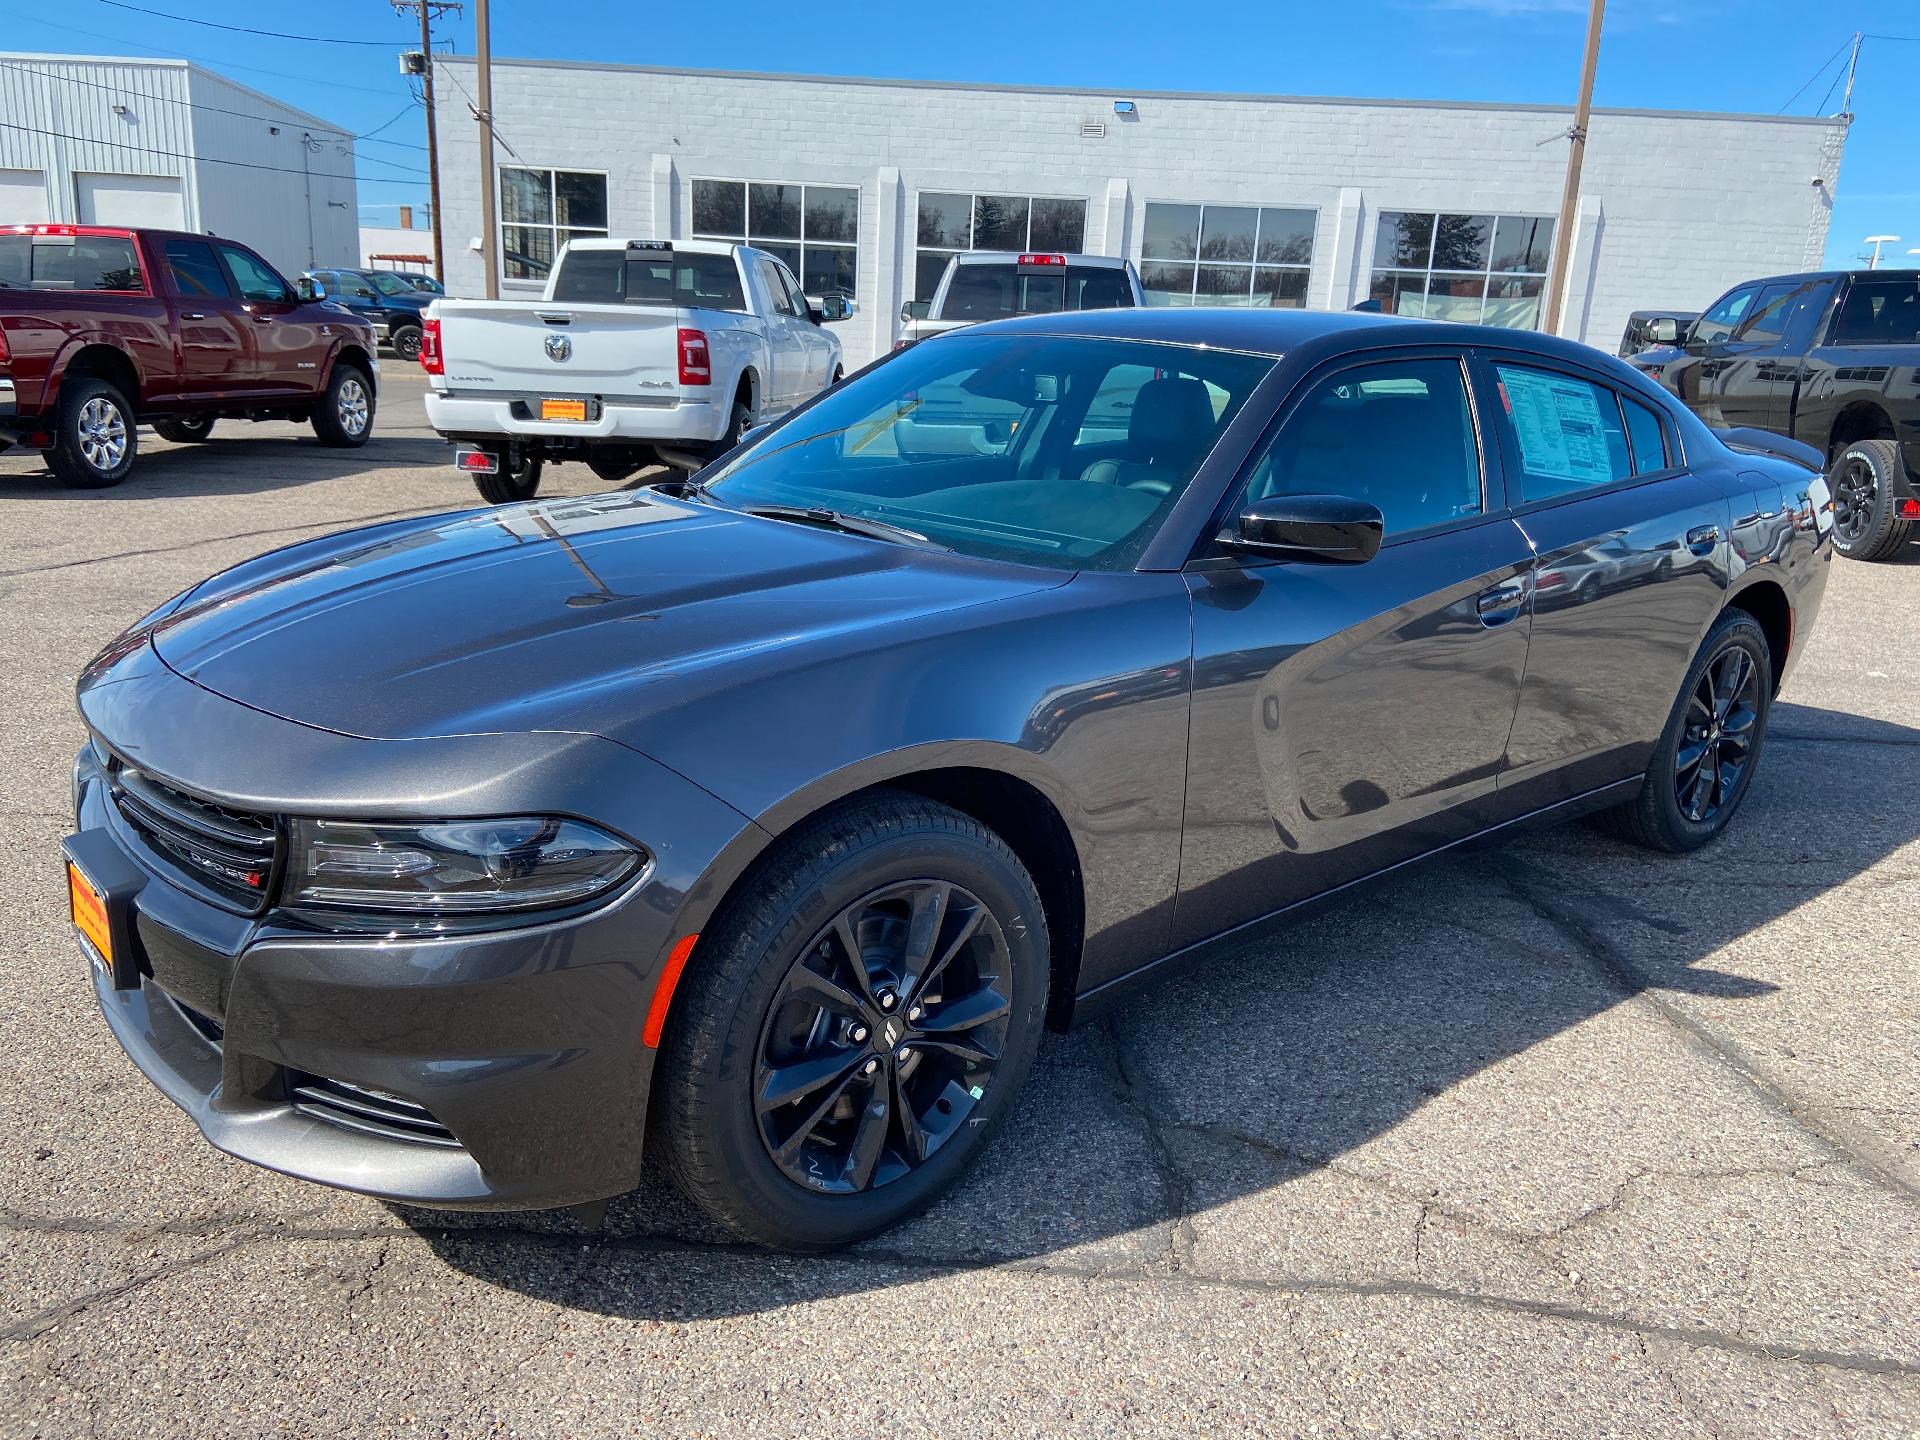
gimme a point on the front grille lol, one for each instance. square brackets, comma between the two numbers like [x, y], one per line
[231, 852]
[372, 1112]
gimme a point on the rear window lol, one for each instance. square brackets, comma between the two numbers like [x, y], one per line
[80, 262]
[992, 292]
[626, 277]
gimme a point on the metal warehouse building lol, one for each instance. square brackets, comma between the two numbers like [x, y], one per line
[1438, 209]
[168, 144]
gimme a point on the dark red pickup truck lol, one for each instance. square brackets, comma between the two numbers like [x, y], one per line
[105, 329]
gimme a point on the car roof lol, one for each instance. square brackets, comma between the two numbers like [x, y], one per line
[1012, 257]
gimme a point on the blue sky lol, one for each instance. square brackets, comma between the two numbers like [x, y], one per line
[1746, 55]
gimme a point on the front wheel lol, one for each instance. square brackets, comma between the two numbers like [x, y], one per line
[344, 418]
[1705, 760]
[186, 430]
[93, 436]
[406, 342]
[1866, 525]
[517, 479]
[855, 1026]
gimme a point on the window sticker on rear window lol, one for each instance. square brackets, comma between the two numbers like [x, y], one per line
[1557, 421]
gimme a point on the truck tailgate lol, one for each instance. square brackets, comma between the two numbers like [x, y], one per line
[530, 347]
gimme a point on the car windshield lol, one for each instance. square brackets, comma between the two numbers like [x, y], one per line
[391, 284]
[1059, 451]
[994, 292]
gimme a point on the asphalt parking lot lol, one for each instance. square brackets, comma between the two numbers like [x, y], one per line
[1555, 1138]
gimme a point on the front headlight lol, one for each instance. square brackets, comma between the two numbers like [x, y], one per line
[457, 867]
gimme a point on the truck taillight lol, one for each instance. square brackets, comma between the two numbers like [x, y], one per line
[696, 361]
[430, 358]
[1043, 260]
[5, 354]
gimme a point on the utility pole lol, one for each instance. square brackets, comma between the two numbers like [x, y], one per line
[1570, 197]
[429, 10]
[1853, 68]
[489, 232]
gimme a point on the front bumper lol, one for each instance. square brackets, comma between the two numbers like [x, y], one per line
[672, 421]
[512, 1056]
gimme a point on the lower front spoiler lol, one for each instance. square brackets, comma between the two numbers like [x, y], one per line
[266, 1129]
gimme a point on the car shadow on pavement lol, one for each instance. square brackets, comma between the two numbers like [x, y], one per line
[237, 465]
[1242, 1083]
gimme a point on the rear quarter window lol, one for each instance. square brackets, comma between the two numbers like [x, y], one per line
[1567, 432]
[84, 262]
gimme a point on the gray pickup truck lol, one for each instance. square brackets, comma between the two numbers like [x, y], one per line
[998, 284]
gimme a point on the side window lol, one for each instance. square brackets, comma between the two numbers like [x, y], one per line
[1567, 432]
[1398, 435]
[795, 296]
[1879, 312]
[253, 277]
[1767, 320]
[776, 292]
[196, 274]
[357, 286]
[1649, 438]
[1719, 322]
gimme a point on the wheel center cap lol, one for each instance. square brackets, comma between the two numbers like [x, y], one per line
[891, 1032]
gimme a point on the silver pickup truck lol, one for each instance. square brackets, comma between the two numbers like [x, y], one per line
[995, 284]
[642, 352]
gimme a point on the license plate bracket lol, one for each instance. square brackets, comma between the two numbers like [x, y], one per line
[101, 885]
[563, 410]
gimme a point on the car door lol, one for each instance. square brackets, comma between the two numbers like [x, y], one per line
[1346, 718]
[786, 343]
[1697, 378]
[215, 331]
[1632, 548]
[290, 344]
[1750, 383]
[819, 345]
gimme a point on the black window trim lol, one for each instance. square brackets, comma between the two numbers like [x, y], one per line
[1207, 554]
[174, 287]
[1489, 357]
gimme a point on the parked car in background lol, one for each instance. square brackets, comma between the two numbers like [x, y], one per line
[759, 828]
[999, 284]
[1831, 359]
[1654, 360]
[643, 352]
[418, 279]
[392, 304]
[1649, 328]
[104, 329]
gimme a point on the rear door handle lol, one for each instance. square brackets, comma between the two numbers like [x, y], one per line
[1702, 538]
[1500, 604]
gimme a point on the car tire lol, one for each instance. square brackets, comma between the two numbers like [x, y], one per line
[405, 340]
[737, 1007]
[94, 437]
[344, 417]
[185, 430]
[517, 479]
[1865, 478]
[1735, 669]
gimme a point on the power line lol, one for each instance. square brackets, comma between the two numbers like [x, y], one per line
[206, 159]
[242, 29]
[1816, 75]
[405, 111]
[201, 59]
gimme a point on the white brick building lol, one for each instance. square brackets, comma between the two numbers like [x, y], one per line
[1442, 209]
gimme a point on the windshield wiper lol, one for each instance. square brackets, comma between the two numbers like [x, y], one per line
[838, 520]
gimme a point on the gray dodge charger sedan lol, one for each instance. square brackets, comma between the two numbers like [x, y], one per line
[756, 826]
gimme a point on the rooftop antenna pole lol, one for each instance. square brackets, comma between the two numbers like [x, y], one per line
[1570, 197]
[1853, 66]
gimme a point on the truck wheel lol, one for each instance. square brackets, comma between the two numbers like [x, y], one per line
[406, 342]
[517, 478]
[344, 418]
[93, 436]
[188, 430]
[1864, 524]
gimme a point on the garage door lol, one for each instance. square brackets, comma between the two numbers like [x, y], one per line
[23, 197]
[152, 200]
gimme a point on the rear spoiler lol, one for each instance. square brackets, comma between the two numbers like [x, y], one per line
[1750, 441]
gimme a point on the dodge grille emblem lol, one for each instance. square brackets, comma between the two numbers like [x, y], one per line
[559, 347]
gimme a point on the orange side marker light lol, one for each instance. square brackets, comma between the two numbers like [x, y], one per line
[663, 990]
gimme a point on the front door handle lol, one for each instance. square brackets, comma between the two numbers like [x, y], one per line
[1500, 604]
[1702, 538]
[194, 315]
[263, 319]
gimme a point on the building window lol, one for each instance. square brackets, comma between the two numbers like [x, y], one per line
[1028, 223]
[814, 229]
[1226, 255]
[540, 210]
[1481, 269]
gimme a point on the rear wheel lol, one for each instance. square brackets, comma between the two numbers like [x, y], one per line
[93, 435]
[1706, 757]
[406, 342]
[855, 1027]
[344, 418]
[1865, 526]
[186, 430]
[517, 479]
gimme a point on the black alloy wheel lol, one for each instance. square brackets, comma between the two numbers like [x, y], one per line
[406, 343]
[1866, 522]
[1717, 743]
[883, 1037]
[1853, 493]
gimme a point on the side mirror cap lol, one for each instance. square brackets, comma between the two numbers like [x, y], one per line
[1664, 331]
[915, 310]
[310, 290]
[1317, 529]
[832, 309]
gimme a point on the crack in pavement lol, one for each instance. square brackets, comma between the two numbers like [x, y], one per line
[1862, 1151]
[1136, 1094]
[1806, 738]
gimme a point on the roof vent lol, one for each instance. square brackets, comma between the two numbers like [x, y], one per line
[1093, 130]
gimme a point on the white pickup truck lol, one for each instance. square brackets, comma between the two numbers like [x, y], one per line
[994, 284]
[642, 352]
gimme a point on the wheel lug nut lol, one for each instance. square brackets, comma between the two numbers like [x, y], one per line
[915, 1013]
[888, 1000]
[869, 1067]
[857, 1034]
[902, 1053]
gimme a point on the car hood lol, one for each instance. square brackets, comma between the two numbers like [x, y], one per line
[564, 615]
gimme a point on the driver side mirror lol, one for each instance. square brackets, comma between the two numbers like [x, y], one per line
[1664, 331]
[832, 309]
[915, 310]
[309, 290]
[1317, 529]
